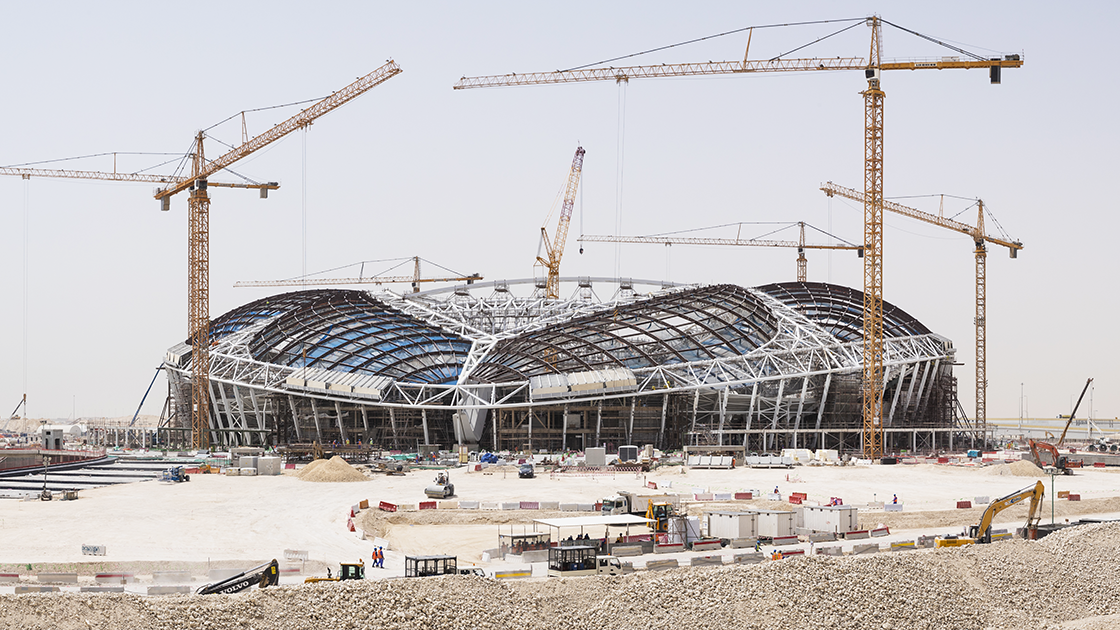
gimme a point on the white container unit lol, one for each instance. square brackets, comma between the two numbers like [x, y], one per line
[839, 519]
[732, 525]
[775, 523]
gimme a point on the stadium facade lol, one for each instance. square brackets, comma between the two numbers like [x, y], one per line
[705, 366]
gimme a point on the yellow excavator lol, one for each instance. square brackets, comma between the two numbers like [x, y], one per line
[346, 571]
[982, 533]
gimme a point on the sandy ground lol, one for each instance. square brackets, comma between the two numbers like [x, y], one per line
[217, 519]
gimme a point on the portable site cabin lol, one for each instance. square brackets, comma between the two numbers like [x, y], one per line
[518, 544]
[838, 519]
[732, 525]
[775, 523]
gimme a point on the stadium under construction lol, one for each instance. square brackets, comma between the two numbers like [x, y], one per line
[704, 366]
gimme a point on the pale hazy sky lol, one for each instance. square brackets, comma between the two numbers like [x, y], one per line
[465, 178]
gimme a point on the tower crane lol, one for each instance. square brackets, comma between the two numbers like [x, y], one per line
[415, 279]
[800, 244]
[980, 239]
[198, 242]
[555, 251]
[873, 97]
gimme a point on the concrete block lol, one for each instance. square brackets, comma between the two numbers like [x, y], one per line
[171, 577]
[19, 590]
[778, 541]
[468, 505]
[705, 561]
[904, 545]
[549, 505]
[821, 537]
[831, 550]
[115, 578]
[882, 531]
[102, 589]
[169, 590]
[57, 578]
[668, 548]
[707, 545]
[217, 575]
[753, 557]
[624, 551]
[661, 565]
[741, 543]
[9, 577]
[866, 548]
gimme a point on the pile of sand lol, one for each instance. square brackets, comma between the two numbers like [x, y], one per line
[1021, 468]
[329, 470]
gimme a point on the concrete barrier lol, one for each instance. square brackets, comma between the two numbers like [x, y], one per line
[448, 505]
[385, 506]
[217, 575]
[724, 496]
[882, 531]
[101, 589]
[550, 505]
[705, 561]
[169, 590]
[9, 577]
[514, 574]
[511, 505]
[703, 496]
[625, 551]
[530, 505]
[171, 577]
[427, 505]
[981, 500]
[668, 548]
[57, 578]
[903, 545]
[778, 541]
[741, 543]
[858, 550]
[588, 507]
[744, 496]
[35, 589]
[857, 535]
[114, 578]
[821, 536]
[893, 507]
[707, 545]
[661, 565]
[752, 557]
[831, 550]
[468, 505]
[569, 507]
[792, 552]
[490, 505]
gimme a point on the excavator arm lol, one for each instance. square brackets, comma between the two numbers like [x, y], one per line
[265, 575]
[983, 531]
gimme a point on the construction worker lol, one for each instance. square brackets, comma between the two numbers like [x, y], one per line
[757, 545]
[895, 500]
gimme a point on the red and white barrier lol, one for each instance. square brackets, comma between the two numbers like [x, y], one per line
[387, 507]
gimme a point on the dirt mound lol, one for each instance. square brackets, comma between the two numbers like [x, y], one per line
[331, 470]
[1021, 468]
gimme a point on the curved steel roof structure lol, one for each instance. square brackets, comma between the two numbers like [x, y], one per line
[839, 310]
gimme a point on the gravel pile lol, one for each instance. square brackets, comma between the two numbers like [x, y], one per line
[1067, 576]
[328, 470]
[1021, 468]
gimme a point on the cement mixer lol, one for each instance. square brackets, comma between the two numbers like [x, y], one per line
[441, 489]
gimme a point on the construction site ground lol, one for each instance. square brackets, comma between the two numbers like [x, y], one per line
[215, 521]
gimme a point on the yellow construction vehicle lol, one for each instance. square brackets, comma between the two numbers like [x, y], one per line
[346, 571]
[660, 513]
[982, 533]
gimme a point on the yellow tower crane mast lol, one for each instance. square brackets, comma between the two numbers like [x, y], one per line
[555, 251]
[980, 239]
[872, 66]
[198, 225]
[800, 244]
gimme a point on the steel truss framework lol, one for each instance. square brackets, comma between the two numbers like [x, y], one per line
[713, 364]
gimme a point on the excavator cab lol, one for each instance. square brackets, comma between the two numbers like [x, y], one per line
[352, 571]
[659, 513]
